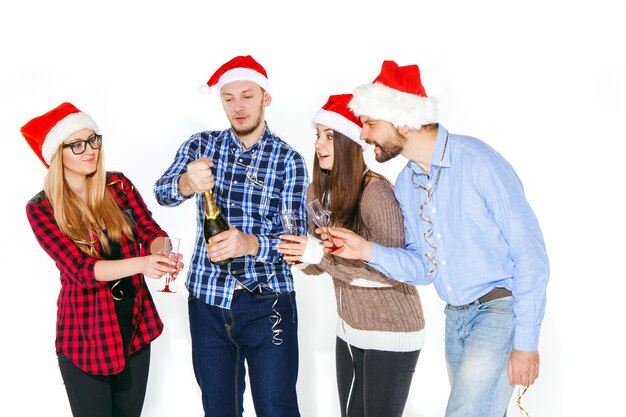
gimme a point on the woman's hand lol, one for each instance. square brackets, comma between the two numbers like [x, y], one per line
[179, 266]
[292, 248]
[155, 266]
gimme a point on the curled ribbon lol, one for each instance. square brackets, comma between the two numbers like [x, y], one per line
[520, 394]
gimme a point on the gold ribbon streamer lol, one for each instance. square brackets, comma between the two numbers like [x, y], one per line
[431, 255]
[520, 394]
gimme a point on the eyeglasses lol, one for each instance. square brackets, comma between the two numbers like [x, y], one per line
[79, 146]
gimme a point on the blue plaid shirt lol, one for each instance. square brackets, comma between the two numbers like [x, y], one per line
[252, 187]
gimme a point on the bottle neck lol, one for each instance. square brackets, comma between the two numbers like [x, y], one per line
[211, 211]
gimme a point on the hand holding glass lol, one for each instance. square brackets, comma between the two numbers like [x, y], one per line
[321, 217]
[289, 220]
[170, 249]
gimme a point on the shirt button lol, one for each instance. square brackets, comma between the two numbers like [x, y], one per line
[443, 262]
[240, 160]
[235, 182]
[434, 210]
[449, 288]
[438, 234]
[430, 184]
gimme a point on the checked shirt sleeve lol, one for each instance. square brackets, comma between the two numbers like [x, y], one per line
[71, 261]
[293, 196]
[167, 189]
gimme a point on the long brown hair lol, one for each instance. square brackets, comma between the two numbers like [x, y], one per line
[80, 220]
[345, 182]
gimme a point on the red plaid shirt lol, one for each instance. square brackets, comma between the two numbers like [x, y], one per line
[87, 329]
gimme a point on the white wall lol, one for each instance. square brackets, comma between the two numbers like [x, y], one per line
[541, 81]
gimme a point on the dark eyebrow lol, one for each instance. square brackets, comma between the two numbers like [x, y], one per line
[93, 135]
[246, 91]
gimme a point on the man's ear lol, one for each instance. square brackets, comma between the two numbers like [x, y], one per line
[404, 130]
[267, 98]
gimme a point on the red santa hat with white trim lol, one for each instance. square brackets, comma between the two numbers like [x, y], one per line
[396, 96]
[238, 68]
[45, 133]
[336, 115]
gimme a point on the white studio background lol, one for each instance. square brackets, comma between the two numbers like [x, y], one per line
[541, 81]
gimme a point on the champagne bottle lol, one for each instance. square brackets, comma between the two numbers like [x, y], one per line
[214, 222]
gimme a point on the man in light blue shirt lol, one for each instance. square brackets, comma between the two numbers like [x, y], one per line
[469, 231]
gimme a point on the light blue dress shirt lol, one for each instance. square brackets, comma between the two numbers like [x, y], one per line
[485, 233]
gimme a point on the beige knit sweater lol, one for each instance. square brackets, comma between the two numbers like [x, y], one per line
[390, 309]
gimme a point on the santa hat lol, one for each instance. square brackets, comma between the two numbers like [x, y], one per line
[238, 68]
[45, 133]
[396, 96]
[336, 115]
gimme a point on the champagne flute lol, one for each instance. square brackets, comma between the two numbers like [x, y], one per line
[321, 217]
[289, 220]
[170, 249]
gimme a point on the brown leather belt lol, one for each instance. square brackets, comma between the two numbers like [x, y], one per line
[494, 294]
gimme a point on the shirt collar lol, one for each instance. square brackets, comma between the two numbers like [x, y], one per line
[266, 136]
[440, 144]
[440, 147]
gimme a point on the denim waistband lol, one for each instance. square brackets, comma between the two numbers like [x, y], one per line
[494, 294]
[255, 291]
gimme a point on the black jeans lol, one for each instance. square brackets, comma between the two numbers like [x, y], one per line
[119, 395]
[373, 383]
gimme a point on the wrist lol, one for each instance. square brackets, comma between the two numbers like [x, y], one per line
[184, 186]
[366, 254]
[253, 245]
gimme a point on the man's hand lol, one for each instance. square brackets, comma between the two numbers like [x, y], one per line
[198, 177]
[523, 367]
[232, 243]
[351, 245]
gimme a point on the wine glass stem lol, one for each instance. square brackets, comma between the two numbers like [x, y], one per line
[329, 236]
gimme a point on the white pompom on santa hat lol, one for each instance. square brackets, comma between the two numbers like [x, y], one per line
[45, 133]
[237, 69]
[396, 96]
[337, 115]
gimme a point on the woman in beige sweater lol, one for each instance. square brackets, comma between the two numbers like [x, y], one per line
[380, 330]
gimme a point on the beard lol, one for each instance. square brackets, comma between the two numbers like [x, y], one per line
[391, 149]
[247, 130]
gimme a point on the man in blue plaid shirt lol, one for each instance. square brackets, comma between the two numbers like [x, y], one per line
[244, 310]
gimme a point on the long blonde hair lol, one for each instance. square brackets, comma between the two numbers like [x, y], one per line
[80, 220]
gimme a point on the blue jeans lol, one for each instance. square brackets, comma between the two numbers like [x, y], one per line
[260, 329]
[479, 340]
